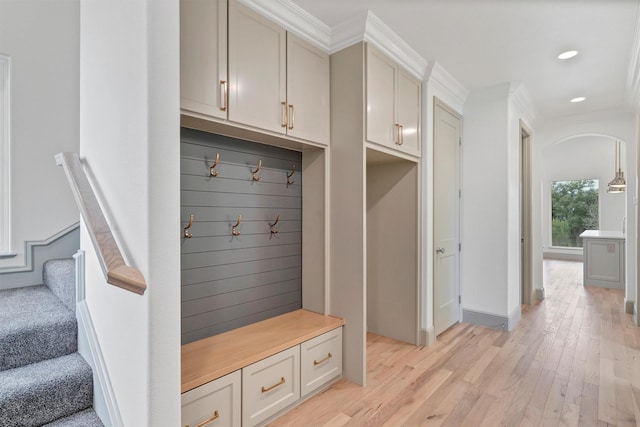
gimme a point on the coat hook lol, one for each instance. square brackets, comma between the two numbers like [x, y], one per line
[211, 169]
[187, 233]
[289, 175]
[272, 226]
[256, 177]
[233, 229]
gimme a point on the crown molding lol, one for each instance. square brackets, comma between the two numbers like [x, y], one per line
[449, 85]
[294, 19]
[519, 95]
[632, 94]
[368, 27]
[362, 27]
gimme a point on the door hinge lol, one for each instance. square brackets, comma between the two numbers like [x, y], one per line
[460, 141]
[459, 194]
[459, 299]
[459, 247]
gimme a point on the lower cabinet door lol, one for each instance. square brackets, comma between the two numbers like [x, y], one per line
[270, 385]
[214, 404]
[321, 360]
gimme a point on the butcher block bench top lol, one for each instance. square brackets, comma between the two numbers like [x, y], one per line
[213, 357]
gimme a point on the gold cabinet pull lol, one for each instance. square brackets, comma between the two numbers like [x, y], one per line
[234, 230]
[187, 233]
[213, 166]
[205, 422]
[278, 384]
[321, 361]
[292, 117]
[398, 140]
[284, 114]
[401, 134]
[224, 94]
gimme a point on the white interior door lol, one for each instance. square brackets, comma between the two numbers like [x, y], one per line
[446, 220]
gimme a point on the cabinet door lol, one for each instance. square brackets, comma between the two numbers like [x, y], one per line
[408, 111]
[257, 70]
[380, 100]
[270, 385]
[307, 91]
[203, 57]
[216, 403]
[320, 360]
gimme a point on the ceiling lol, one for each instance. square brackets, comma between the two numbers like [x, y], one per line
[483, 43]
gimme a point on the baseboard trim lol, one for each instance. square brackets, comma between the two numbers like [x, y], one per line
[629, 306]
[63, 244]
[539, 294]
[562, 256]
[427, 337]
[485, 319]
[514, 318]
[104, 398]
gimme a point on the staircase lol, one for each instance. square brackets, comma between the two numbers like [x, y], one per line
[43, 379]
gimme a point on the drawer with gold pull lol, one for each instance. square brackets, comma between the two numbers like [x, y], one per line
[270, 385]
[214, 404]
[320, 360]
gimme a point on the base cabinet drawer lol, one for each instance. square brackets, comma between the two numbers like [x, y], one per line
[214, 404]
[320, 360]
[270, 385]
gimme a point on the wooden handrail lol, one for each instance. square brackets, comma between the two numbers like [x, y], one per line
[116, 271]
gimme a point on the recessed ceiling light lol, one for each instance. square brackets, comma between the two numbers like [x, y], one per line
[578, 99]
[568, 54]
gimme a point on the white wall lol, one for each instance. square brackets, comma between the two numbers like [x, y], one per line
[586, 157]
[485, 198]
[42, 39]
[129, 130]
[612, 124]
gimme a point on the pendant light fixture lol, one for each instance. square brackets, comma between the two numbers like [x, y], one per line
[618, 183]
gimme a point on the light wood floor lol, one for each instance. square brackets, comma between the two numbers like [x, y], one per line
[573, 360]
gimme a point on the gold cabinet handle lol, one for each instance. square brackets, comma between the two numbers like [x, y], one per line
[215, 416]
[321, 361]
[225, 95]
[278, 384]
[398, 133]
[291, 116]
[401, 134]
[285, 119]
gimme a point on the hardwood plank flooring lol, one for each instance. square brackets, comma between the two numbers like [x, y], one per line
[573, 360]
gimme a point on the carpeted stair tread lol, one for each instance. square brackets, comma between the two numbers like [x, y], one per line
[59, 275]
[86, 418]
[42, 392]
[34, 325]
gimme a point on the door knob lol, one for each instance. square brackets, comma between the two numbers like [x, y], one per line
[439, 250]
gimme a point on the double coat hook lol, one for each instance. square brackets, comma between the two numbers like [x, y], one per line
[187, 233]
[234, 229]
[255, 175]
[272, 227]
[213, 166]
[290, 174]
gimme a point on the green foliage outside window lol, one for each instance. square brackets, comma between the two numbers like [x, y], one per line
[574, 208]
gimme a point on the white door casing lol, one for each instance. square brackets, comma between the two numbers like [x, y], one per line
[446, 219]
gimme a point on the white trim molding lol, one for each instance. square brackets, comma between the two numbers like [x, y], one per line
[362, 27]
[294, 19]
[5, 155]
[632, 94]
[455, 94]
[522, 99]
[539, 294]
[104, 398]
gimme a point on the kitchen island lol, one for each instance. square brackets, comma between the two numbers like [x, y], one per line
[604, 257]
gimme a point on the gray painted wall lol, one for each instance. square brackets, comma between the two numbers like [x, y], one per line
[232, 281]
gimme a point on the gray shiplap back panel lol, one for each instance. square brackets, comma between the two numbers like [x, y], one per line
[232, 281]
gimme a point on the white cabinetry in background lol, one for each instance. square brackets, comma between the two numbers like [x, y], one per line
[393, 104]
[203, 57]
[604, 256]
[267, 79]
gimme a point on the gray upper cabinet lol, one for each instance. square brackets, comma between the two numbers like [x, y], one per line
[203, 57]
[276, 81]
[393, 104]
